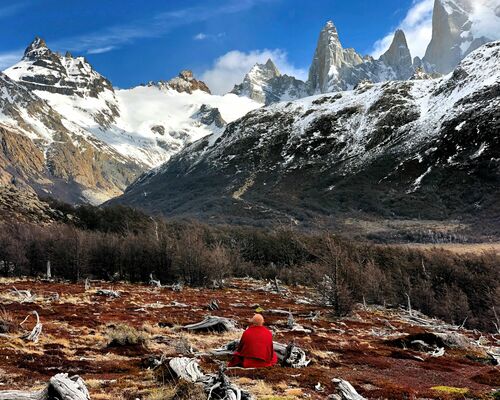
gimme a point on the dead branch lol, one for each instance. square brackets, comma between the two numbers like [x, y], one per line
[213, 305]
[213, 324]
[25, 296]
[35, 332]
[216, 386]
[109, 293]
[60, 387]
[346, 390]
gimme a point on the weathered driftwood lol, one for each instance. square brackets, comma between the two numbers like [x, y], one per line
[35, 332]
[288, 355]
[217, 386]
[346, 391]
[109, 293]
[295, 327]
[291, 355]
[213, 305]
[212, 324]
[25, 296]
[48, 275]
[60, 387]
[154, 282]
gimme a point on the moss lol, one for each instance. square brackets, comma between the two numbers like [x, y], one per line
[450, 389]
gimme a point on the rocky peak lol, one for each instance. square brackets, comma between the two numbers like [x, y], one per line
[185, 82]
[454, 35]
[209, 115]
[265, 84]
[329, 59]
[398, 56]
[42, 69]
[36, 49]
[263, 72]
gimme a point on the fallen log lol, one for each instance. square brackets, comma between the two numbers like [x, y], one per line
[346, 390]
[216, 386]
[212, 324]
[288, 355]
[60, 387]
[109, 293]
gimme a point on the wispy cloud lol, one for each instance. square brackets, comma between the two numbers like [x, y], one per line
[417, 26]
[230, 68]
[209, 36]
[156, 26]
[9, 58]
[100, 50]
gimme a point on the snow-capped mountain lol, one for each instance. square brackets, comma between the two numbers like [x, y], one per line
[265, 84]
[333, 69]
[458, 28]
[139, 128]
[427, 148]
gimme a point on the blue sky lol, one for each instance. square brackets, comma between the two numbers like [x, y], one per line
[131, 41]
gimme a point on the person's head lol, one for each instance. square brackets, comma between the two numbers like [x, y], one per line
[257, 320]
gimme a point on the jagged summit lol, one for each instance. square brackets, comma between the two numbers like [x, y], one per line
[185, 82]
[38, 47]
[329, 58]
[265, 83]
[44, 70]
[398, 56]
[455, 32]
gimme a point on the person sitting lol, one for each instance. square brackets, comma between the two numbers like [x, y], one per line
[255, 349]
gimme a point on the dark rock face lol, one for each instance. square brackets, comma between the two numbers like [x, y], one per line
[404, 149]
[210, 115]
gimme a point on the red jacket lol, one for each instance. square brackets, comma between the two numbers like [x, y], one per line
[255, 349]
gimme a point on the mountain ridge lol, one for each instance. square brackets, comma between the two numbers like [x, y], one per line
[382, 148]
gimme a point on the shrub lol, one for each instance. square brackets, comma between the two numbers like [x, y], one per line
[7, 322]
[125, 335]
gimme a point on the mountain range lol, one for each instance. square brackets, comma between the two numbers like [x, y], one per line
[426, 149]
[393, 136]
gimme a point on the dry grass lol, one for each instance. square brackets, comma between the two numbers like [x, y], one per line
[125, 335]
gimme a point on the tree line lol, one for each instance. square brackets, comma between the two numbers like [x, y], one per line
[118, 243]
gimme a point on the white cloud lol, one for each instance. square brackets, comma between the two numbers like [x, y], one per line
[417, 26]
[200, 36]
[9, 58]
[231, 68]
[207, 36]
[486, 19]
[100, 50]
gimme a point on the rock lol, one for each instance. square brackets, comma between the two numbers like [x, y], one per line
[185, 82]
[453, 33]
[398, 57]
[265, 84]
[329, 59]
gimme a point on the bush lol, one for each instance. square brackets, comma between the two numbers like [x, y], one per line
[125, 335]
[7, 322]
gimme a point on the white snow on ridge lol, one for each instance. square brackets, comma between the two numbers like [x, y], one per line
[141, 109]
